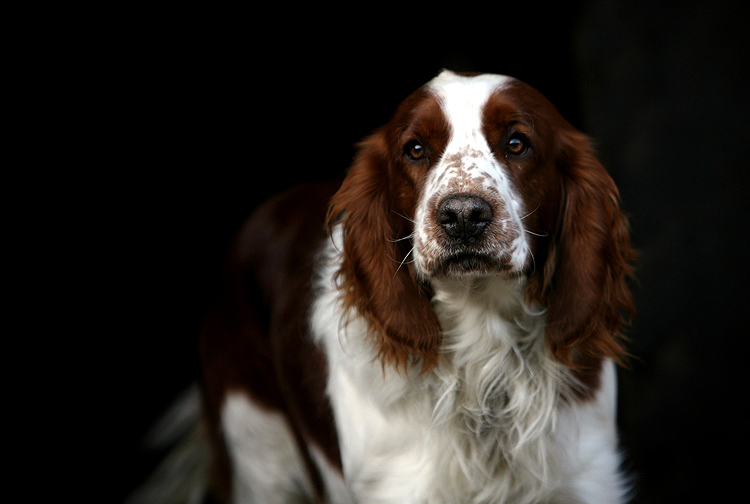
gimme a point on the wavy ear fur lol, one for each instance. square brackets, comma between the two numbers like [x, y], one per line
[589, 261]
[374, 274]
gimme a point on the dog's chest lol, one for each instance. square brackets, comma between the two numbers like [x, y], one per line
[430, 441]
[447, 435]
[475, 429]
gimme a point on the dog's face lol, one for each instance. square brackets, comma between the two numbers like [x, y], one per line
[480, 175]
[478, 150]
[472, 163]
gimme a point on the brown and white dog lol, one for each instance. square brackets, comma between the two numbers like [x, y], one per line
[440, 328]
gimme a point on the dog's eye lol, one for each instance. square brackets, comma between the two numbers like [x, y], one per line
[516, 146]
[415, 150]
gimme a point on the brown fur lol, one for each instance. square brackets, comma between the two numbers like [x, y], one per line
[375, 279]
[584, 283]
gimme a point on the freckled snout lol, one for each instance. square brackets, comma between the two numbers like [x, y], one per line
[464, 217]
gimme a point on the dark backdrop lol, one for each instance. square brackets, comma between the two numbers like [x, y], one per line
[205, 114]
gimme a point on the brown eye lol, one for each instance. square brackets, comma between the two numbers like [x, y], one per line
[415, 150]
[516, 146]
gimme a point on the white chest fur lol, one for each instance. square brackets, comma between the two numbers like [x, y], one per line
[486, 426]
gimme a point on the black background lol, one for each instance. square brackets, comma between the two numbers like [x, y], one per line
[193, 117]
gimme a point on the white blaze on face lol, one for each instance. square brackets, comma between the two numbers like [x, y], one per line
[469, 167]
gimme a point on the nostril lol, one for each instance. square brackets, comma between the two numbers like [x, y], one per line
[464, 216]
[480, 215]
[447, 216]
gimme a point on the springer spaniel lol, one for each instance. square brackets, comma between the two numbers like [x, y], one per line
[448, 336]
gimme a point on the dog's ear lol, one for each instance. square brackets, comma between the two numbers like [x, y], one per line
[373, 275]
[589, 260]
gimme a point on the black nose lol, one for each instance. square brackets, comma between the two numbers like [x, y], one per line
[464, 217]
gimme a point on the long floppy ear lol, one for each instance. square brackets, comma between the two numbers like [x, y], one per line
[374, 275]
[588, 264]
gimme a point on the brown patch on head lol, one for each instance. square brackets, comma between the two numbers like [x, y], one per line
[376, 206]
[580, 241]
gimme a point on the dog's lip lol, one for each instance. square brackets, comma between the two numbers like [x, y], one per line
[471, 263]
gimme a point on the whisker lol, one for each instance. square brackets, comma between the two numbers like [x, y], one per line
[543, 235]
[533, 260]
[404, 260]
[534, 210]
[408, 237]
[404, 216]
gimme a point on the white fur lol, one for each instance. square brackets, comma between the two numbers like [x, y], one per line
[182, 477]
[487, 426]
[588, 435]
[267, 468]
[468, 166]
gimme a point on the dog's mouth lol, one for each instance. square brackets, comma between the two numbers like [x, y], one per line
[471, 264]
